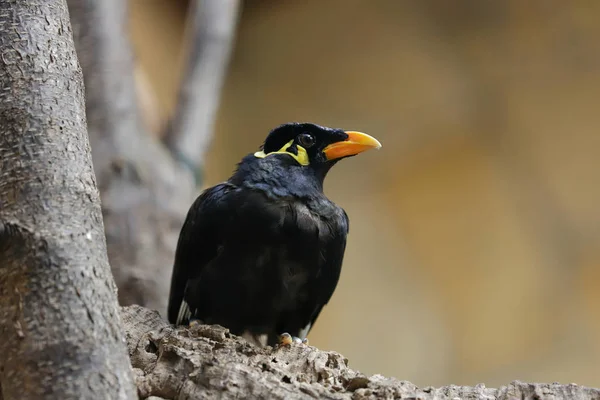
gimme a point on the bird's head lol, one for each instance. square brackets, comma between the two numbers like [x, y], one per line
[315, 147]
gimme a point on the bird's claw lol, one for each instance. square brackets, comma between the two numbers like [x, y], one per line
[194, 323]
[285, 339]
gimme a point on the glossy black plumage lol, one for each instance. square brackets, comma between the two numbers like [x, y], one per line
[262, 252]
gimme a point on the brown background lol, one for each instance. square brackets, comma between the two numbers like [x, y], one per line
[474, 247]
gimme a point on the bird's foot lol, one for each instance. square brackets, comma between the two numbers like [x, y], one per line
[285, 339]
[194, 323]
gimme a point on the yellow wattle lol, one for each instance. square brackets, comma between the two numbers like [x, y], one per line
[301, 157]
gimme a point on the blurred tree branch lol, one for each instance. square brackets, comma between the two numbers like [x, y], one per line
[61, 331]
[207, 362]
[145, 192]
[210, 38]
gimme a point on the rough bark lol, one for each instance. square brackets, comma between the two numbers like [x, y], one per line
[60, 327]
[145, 193]
[207, 362]
[210, 37]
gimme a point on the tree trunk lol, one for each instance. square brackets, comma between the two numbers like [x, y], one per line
[61, 332]
[145, 192]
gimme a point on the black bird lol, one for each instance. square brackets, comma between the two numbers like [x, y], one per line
[261, 253]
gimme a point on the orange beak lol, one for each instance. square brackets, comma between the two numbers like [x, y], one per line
[357, 142]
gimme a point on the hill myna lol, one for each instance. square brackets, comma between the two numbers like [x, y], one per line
[261, 253]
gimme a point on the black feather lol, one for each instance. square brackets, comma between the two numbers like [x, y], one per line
[263, 251]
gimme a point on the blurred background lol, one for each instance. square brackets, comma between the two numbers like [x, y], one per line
[474, 250]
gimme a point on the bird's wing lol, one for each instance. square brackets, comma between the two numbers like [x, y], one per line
[197, 245]
[333, 255]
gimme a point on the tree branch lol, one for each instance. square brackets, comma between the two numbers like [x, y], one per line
[207, 362]
[145, 193]
[59, 318]
[210, 37]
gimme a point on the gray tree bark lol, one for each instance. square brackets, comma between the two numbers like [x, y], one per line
[207, 362]
[145, 192]
[60, 327]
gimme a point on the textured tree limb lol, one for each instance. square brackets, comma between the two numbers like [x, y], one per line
[210, 37]
[145, 192]
[60, 325]
[207, 362]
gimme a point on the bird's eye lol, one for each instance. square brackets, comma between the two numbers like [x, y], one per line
[306, 140]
